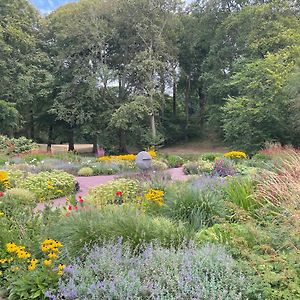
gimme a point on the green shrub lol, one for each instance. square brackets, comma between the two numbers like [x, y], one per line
[16, 145]
[105, 168]
[240, 192]
[49, 185]
[158, 165]
[21, 195]
[211, 156]
[86, 171]
[106, 193]
[197, 167]
[89, 227]
[175, 161]
[16, 176]
[195, 207]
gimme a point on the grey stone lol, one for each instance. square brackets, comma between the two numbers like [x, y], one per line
[144, 161]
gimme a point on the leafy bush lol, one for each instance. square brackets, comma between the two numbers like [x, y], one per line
[49, 185]
[21, 195]
[195, 207]
[87, 227]
[86, 171]
[103, 168]
[197, 167]
[106, 193]
[158, 165]
[223, 168]
[16, 145]
[174, 161]
[211, 156]
[113, 272]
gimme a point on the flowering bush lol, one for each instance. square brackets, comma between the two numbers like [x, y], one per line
[223, 168]
[4, 181]
[155, 196]
[113, 272]
[49, 185]
[129, 157]
[106, 193]
[197, 167]
[27, 274]
[236, 155]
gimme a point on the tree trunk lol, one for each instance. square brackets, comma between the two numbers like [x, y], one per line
[162, 91]
[50, 137]
[71, 139]
[201, 105]
[95, 143]
[152, 126]
[122, 142]
[186, 103]
[174, 95]
[31, 129]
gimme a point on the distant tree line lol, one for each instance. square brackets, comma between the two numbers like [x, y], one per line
[151, 72]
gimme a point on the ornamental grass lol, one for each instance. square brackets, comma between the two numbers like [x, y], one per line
[282, 187]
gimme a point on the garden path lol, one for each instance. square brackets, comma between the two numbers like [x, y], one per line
[86, 183]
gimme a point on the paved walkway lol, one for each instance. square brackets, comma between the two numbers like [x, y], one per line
[86, 183]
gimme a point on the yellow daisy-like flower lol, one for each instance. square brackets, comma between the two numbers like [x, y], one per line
[47, 262]
[60, 273]
[52, 255]
[23, 254]
[11, 247]
[61, 267]
[156, 196]
[31, 267]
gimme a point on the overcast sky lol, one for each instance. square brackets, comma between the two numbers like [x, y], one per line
[46, 6]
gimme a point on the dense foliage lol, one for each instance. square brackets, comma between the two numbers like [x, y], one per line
[220, 235]
[146, 73]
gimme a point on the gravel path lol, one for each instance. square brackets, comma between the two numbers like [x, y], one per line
[92, 181]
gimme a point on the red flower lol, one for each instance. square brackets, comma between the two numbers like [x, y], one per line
[76, 207]
[119, 193]
[70, 207]
[80, 200]
[1, 194]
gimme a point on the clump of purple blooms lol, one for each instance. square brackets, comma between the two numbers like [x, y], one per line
[112, 271]
[223, 168]
[207, 182]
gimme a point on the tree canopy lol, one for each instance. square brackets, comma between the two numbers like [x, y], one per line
[142, 73]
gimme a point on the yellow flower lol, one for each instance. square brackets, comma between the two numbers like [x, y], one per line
[61, 267]
[60, 273]
[52, 255]
[3, 176]
[31, 267]
[156, 196]
[47, 262]
[152, 153]
[1, 213]
[23, 254]
[236, 154]
[11, 247]
[59, 191]
[3, 261]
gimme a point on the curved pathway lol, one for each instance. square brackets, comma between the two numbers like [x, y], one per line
[86, 183]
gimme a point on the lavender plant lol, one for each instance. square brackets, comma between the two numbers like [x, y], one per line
[113, 272]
